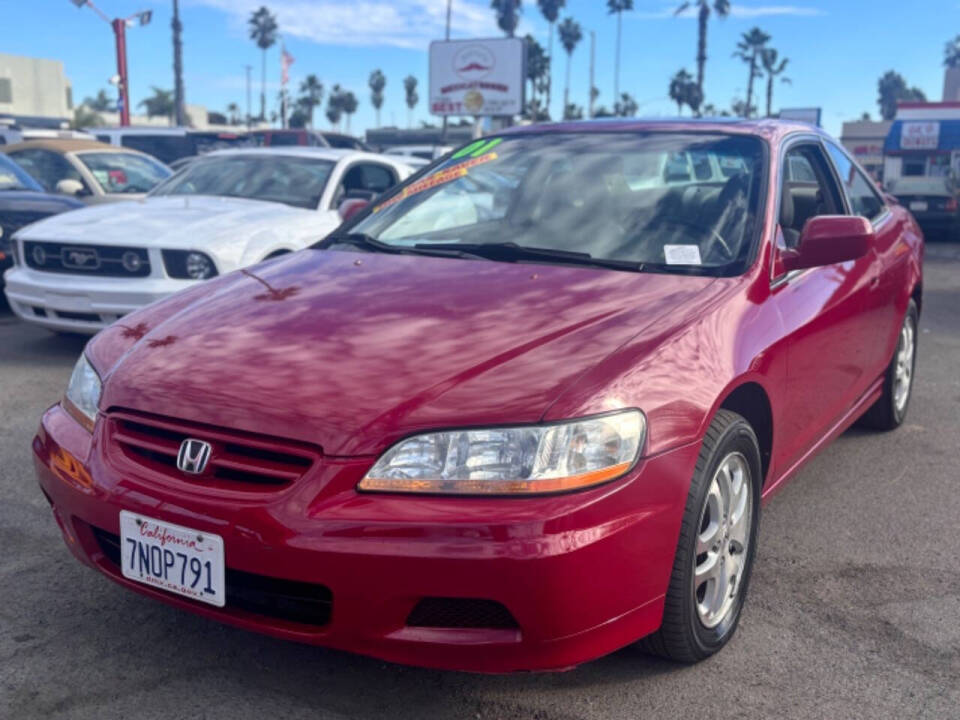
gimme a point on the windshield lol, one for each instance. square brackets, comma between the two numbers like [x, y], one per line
[680, 202]
[124, 173]
[290, 180]
[13, 177]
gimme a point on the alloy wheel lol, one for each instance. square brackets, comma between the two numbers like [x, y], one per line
[903, 373]
[722, 539]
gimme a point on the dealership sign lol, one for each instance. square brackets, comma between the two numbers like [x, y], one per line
[477, 77]
[920, 135]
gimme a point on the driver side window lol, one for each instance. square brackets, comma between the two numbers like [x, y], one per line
[808, 190]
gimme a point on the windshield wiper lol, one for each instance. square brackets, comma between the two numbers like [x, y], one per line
[368, 243]
[511, 252]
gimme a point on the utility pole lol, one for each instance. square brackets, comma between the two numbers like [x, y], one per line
[443, 135]
[119, 26]
[248, 68]
[593, 43]
[178, 100]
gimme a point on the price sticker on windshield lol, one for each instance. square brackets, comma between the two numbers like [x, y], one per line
[682, 254]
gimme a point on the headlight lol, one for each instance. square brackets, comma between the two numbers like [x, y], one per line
[188, 265]
[513, 460]
[83, 393]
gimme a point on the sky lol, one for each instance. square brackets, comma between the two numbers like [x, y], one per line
[837, 49]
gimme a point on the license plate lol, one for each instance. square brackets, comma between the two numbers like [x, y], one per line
[173, 558]
[919, 205]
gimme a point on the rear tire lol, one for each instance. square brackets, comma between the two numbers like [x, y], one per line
[715, 552]
[889, 412]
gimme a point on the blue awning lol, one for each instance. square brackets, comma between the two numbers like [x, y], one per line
[937, 135]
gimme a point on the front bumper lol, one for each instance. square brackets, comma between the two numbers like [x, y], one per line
[81, 304]
[583, 574]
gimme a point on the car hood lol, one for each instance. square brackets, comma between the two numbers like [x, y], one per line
[180, 221]
[353, 351]
[32, 201]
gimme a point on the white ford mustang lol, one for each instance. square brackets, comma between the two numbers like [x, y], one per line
[81, 271]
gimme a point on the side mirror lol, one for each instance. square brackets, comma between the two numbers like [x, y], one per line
[828, 240]
[350, 207]
[70, 187]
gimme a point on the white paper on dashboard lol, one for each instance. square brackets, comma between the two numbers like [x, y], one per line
[682, 254]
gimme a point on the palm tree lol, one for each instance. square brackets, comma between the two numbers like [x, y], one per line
[233, 112]
[508, 14]
[538, 69]
[573, 112]
[410, 88]
[550, 9]
[749, 49]
[626, 106]
[177, 28]
[951, 53]
[618, 7]
[680, 88]
[263, 31]
[570, 36]
[160, 104]
[335, 106]
[311, 91]
[349, 104]
[377, 82]
[770, 57]
[704, 7]
[100, 102]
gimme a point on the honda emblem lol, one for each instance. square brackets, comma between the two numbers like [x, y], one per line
[193, 456]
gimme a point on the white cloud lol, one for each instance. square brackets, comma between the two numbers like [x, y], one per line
[371, 23]
[736, 10]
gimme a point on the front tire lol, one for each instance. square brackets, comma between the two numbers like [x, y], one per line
[715, 552]
[889, 412]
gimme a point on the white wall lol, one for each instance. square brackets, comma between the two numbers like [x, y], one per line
[38, 87]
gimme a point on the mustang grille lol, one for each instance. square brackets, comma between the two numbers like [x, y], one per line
[104, 260]
[236, 459]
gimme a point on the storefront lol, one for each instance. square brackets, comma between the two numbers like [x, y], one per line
[864, 139]
[924, 141]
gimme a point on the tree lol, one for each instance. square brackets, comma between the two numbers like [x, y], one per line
[617, 7]
[178, 100]
[84, 117]
[550, 9]
[410, 88]
[160, 104]
[263, 31]
[538, 68]
[573, 112]
[951, 53]
[749, 49]
[865, 117]
[348, 102]
[377, 82]
[773, 66]
[570, 36]
[311, 95]
[722, 8]
[626, 106]
[739, 108]
[101, 102]
[602, 112]
[335, 106]
[891, 89]
[680, 89]
[233, 113]
[508, 15]
[216, 118]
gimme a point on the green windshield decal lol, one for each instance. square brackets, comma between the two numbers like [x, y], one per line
[478, 148]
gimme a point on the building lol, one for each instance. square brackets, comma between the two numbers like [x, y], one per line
[864, 140]
[34, 91]
[923, 141]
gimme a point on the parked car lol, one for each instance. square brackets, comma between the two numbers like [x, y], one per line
[89, 170]
[933, 202]
[429, 153]
[226, 210]
[11, 134]
[310, 138]
[516, 436]
[23, 201]
[170, 145]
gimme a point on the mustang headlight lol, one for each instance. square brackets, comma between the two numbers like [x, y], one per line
[512, 460]
[83, 393]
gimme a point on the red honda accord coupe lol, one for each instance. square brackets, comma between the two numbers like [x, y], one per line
[517, 413]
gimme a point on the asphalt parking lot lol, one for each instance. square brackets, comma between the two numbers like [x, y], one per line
[852, 610]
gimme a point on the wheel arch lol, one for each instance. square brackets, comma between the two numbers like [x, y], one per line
[751, 400]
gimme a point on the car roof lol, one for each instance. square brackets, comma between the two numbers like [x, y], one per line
[180, 132]
[65, 146]
[770, 128]
[322, 153]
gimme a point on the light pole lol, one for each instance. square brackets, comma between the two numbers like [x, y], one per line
[120, 26]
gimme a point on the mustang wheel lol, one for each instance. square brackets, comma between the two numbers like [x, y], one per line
[890, 410]
[715, 552]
